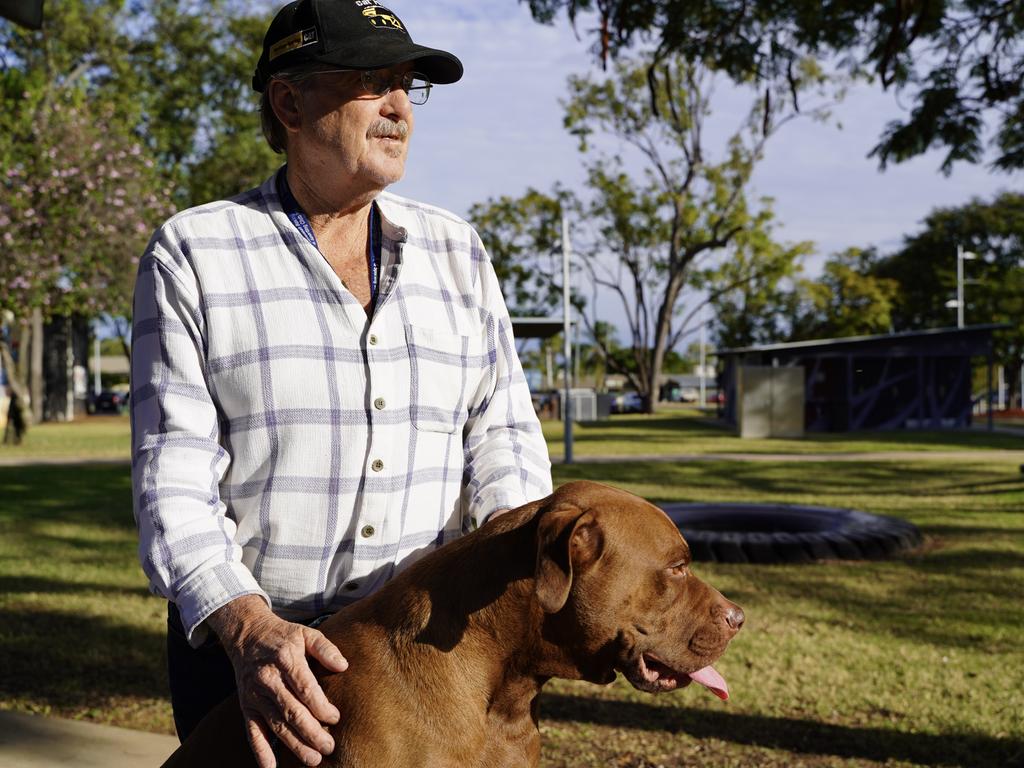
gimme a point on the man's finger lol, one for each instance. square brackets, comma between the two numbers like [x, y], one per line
[308, 691]
[286, 736]
[259, 741]
[324, 651]
[302, 726]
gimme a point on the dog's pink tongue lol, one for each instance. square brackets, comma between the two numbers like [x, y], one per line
[714, 682]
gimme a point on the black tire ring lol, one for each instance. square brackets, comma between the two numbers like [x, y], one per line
[782, 533]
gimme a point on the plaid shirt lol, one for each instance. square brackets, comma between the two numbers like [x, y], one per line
[284, 445]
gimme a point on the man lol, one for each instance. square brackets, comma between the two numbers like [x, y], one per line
[324, 381]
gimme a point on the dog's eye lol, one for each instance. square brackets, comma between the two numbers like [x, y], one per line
[678, 570]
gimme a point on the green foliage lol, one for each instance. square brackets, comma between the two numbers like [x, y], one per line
[646, 238]
[925, 269]
[756, 301]
[524, 239]
[111, 117]
[847, 300]
[79, 201]
[960, 61]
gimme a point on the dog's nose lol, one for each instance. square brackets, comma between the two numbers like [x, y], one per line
[734, 617]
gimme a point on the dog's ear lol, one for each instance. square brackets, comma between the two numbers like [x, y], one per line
[567, 538]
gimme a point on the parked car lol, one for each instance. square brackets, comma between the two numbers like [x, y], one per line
[108, 401]
[627, 402]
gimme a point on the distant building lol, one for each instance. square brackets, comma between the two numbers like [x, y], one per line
[913, 380]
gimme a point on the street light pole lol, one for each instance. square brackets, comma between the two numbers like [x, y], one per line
[567, 347]
[961, 257]
[703, 359]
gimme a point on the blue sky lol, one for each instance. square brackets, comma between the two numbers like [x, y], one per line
[499, 131]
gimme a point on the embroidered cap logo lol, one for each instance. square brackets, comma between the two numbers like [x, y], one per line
[381, 18]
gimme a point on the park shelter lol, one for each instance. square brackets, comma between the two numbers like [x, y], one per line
[909, 380]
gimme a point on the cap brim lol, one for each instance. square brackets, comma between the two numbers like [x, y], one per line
[439, 66]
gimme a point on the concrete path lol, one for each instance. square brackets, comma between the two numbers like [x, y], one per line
[868, 456]
[34, 741]
[28, 461]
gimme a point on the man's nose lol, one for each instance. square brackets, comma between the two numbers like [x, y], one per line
[396, 102]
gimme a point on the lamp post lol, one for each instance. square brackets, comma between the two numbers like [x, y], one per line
[566, 321]
[958, 302]
[703, 358]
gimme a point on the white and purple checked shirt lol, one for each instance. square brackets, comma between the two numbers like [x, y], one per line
[284, 446]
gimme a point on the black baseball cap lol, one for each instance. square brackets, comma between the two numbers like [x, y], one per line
[349, 34]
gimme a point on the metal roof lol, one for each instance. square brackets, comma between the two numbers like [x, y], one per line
[537, 327]
[927, 335]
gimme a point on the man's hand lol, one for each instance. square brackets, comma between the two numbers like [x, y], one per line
[277, 690]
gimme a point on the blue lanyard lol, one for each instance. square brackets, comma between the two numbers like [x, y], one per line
[301, 221]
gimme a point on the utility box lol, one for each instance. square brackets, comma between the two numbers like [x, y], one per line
[771, 401]
[584, 404]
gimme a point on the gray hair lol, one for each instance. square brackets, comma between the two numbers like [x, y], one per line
[273, 130]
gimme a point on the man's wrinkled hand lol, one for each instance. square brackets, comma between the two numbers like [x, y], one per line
[279, 694]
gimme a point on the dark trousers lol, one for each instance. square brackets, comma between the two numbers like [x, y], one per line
[200, 678]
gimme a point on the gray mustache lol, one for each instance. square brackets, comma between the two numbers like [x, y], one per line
[388, 129]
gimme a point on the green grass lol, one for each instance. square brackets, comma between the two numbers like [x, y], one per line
[672, 432]
[93, 437]
[912, 661]
[680, 432]
[80, 636]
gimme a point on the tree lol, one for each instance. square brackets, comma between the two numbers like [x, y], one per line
[847, 300]
[761, 303]
[647, 240]
[925, 271]
[524, 239]
[111, 117]
[960, 60]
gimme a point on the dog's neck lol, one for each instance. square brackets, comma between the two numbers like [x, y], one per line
[493, 632]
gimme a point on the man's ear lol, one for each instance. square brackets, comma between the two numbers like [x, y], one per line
[284, 100]
[568, 538]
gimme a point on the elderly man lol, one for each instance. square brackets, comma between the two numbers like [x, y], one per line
[324, 381]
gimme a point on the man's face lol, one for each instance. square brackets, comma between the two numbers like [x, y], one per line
[351, 132]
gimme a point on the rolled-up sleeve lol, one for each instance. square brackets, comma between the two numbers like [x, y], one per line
[185, 537]
[506, 456]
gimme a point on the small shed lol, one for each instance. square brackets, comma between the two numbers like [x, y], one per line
[909, 380]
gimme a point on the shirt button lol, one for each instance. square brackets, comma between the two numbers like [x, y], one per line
[379, 403]
[367, 531]
[377, 465]
[372, 339]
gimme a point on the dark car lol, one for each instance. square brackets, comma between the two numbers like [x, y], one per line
[629, 402]
[109, 401]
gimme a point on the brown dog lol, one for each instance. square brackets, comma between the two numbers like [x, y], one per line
[447, 660]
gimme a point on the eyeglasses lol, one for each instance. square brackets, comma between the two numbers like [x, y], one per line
[377, 83]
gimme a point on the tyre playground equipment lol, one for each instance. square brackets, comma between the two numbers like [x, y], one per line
[780, 533]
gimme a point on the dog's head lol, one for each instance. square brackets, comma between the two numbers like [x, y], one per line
[614, 580]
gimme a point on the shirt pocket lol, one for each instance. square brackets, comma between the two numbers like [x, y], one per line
[442, 367]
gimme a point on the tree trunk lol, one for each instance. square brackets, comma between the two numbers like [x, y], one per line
[662, 331]
[123, 328]
[35, 371]
[19, 416]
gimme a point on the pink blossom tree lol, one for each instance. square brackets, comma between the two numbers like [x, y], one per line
[79, 198]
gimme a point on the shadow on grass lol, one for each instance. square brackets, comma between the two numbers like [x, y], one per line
[21, 584]
[67, 660]
[801, 736]
[705, 481]
[67, 493]
[679, 428]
